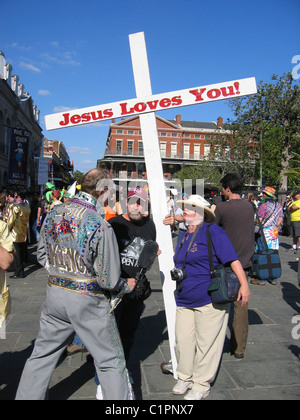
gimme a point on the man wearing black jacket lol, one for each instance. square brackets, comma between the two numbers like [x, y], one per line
[132, 230]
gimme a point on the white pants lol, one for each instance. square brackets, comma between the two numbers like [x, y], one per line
[200, 336]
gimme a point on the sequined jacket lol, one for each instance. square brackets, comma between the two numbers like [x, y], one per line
[18, 217]
[75, 242]
[7, 243]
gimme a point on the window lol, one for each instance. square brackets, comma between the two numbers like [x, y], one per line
[141, 148]
[197, 151]
[186, 151]
[119, 147]
[119, 131]
[130, 132]
[129, 147]
[174, 134]
[141, 169]
[206, 150]
[218, 152]
[163, 149]
[197, 136]
[163, 134]
[173, 150]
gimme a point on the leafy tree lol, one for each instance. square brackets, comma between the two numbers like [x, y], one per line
[271, 119]
[293, 171]
[263, 141]
[272, 156]
[234, 153]
[203, 170]
[77, 175]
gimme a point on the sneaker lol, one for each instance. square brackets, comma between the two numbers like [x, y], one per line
[181, 387]
[99, 394]
[260, 282]
[75, 348]
[194, 395]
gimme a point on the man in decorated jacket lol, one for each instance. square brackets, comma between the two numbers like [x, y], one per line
[79, 250]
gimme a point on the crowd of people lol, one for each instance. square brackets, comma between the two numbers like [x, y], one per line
[90, 241]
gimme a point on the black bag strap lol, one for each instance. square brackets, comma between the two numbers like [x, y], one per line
[190, 245]
[210, 250]
[261, 225]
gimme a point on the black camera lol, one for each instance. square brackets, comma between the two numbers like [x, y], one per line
[178, 274]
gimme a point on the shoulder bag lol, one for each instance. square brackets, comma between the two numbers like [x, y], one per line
[225, 285]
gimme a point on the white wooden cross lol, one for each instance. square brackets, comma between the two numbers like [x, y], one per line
[145, 105]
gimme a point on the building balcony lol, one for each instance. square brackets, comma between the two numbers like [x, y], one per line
[130, 155]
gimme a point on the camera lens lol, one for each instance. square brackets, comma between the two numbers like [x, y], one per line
[177, 274]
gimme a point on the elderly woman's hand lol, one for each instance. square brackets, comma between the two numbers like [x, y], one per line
[169, 220]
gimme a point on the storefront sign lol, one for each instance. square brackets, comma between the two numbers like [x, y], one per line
[17, 170]
[43, 171]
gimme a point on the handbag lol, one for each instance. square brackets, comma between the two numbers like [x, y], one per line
[225, 285]
[265, 262]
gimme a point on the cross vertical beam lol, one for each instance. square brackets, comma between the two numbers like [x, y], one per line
[156, 183]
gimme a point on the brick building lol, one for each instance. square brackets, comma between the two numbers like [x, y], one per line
[182, 143]
[60, 167]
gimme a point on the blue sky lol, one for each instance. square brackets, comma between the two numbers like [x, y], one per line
[75, 54]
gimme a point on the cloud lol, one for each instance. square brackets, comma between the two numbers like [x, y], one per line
[64, 58]
[61, 108]
[77, 150]
[84, 165]
[44, 92]
[30, 67]
[19, 47]
[87, 162]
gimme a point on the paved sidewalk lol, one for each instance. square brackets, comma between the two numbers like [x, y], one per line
[270, 369]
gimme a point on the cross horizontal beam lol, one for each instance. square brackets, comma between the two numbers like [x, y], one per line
[153, 103]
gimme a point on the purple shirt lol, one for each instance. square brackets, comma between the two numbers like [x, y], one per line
[194, 288]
